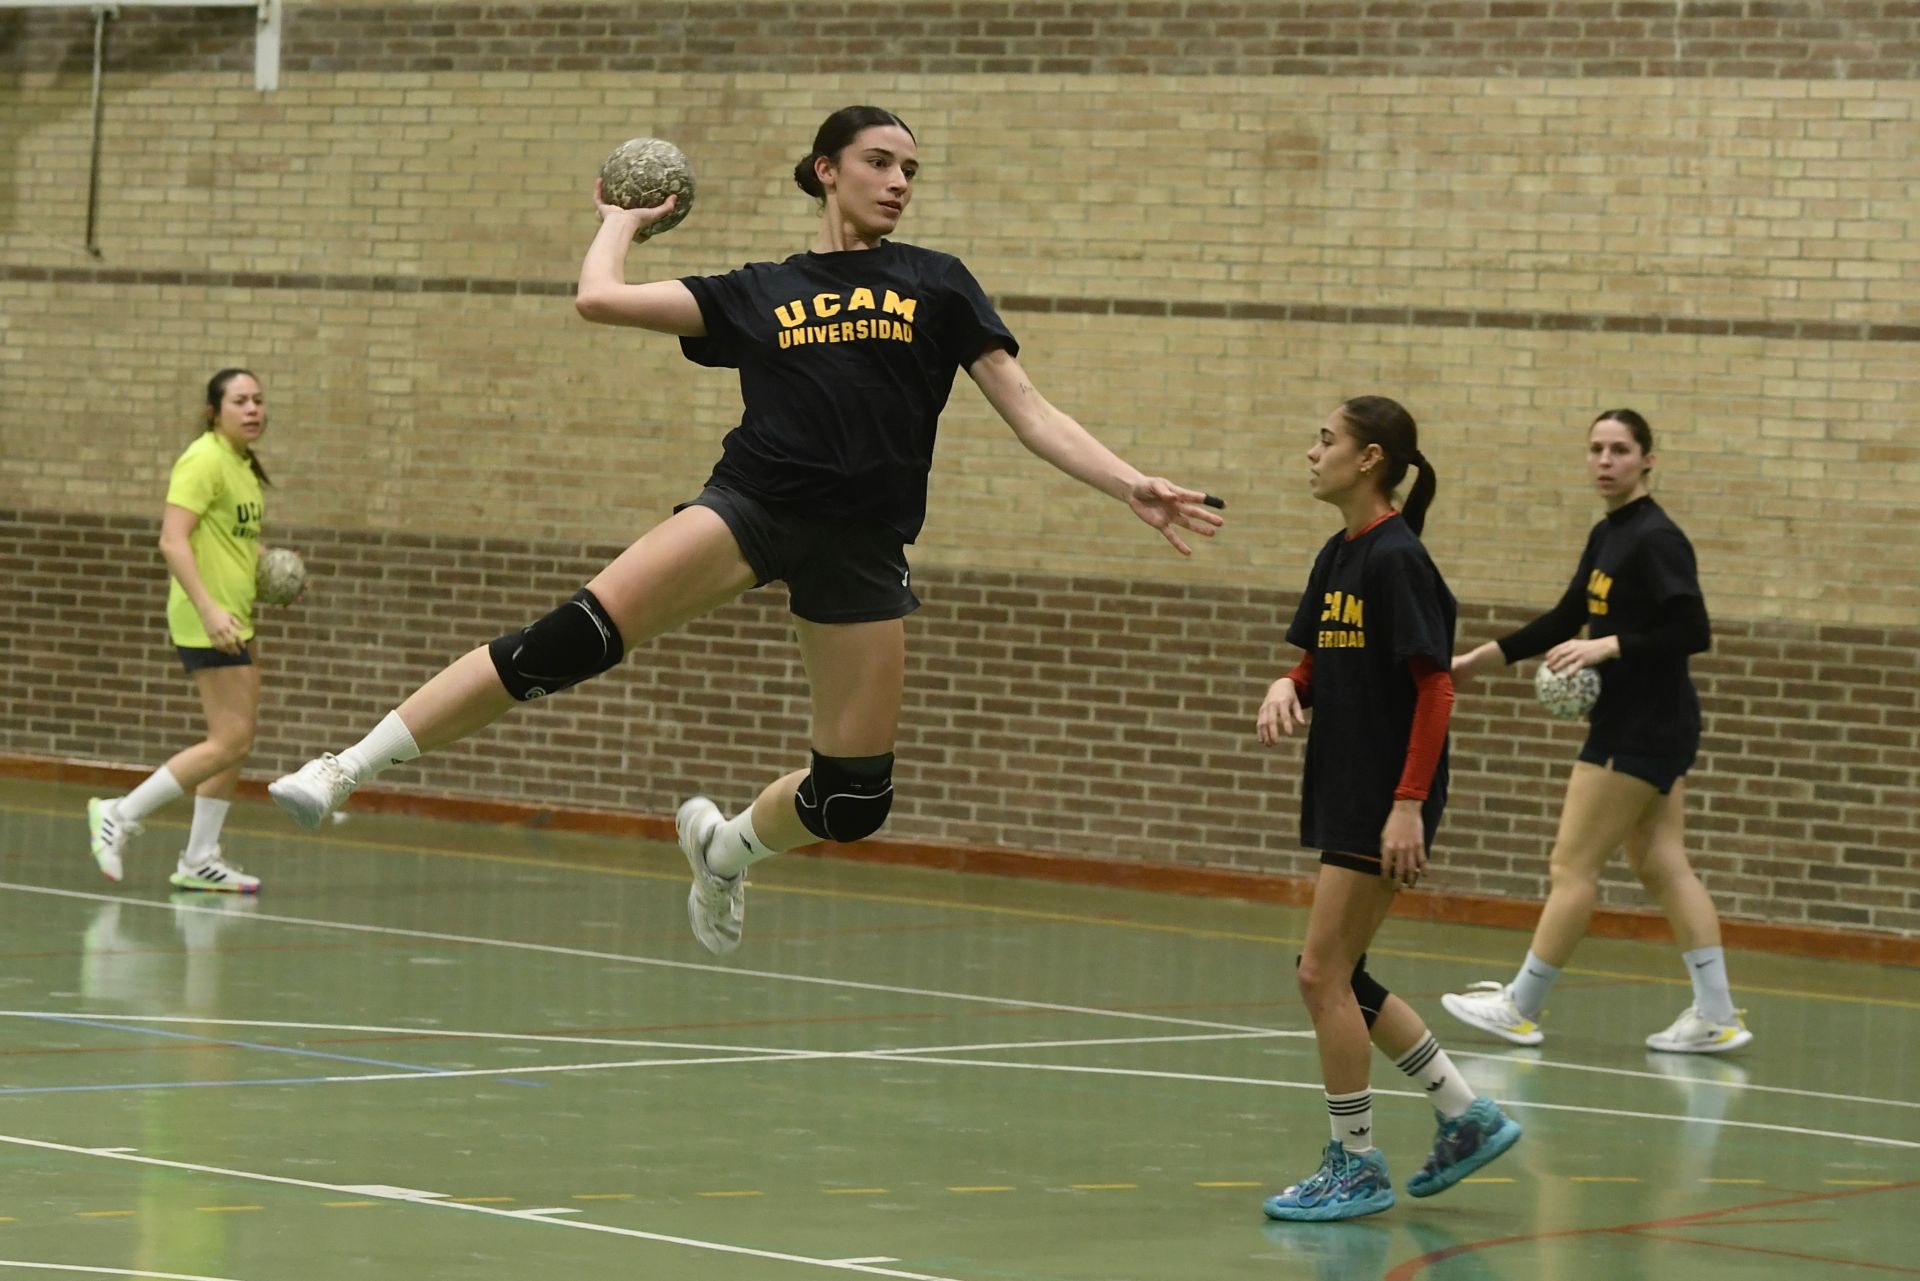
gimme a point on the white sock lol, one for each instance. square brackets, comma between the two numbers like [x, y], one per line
[1446, 1089]
[1352, 1117]
[209, 812]
[1712, 995]
[1531, 985]
[391, 743]
[736, 846]
[156, 790]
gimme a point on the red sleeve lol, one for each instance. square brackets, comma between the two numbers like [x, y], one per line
[1432, 709]
[1302, 678]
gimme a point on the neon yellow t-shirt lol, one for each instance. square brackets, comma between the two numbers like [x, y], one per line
[213, 480]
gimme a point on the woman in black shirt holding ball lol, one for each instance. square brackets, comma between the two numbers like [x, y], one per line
[1637, 592]
[847, 354]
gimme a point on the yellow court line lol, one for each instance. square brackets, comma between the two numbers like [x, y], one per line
[1606, 1178]
[855, 1191]
[1476, 1178]
[1102, 1187]
[1858, 1183]
[1739, 1182]
[344, 1205]
[1017, 913]
[987, 1188]
[104, 1214]
[1226, 1185]
[603, 1196]
[228, 1209]
[7, 1218]
[730, 1194]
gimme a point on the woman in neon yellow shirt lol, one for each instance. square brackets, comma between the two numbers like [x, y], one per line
[210, 536]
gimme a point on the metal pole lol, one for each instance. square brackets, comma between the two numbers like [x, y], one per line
[100, 18]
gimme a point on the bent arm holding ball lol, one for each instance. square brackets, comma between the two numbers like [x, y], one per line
[605, 297]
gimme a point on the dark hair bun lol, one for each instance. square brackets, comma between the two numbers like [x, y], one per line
[806, 179]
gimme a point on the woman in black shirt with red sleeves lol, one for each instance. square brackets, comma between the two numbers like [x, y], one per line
[1376, 625]
[847, 354]
[1637, 592]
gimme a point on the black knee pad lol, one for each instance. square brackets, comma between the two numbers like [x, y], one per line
[845, 798]
[1367, 991]
[575, 641]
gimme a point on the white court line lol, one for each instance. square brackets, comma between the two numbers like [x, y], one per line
[895, 1056]
[1678, 1078]
[552, 949]
[191, 1019]
[112, 1272]
[775, 1051]
[779, 1056]
[827, 982]
[1084, 1041]
[932, 1056]
[514, 1216]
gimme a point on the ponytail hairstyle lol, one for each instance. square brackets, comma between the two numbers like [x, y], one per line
[1376, 420]
[836, 132]
[216, 394]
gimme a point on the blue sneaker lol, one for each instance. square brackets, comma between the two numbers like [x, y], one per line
[1346, 1186]
[1463, 1145]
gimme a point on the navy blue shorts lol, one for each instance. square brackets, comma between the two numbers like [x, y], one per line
[835, 571]
[196, 659]
[1663, 771]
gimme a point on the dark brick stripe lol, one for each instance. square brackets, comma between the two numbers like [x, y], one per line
[1296, 313]
[1027, 723]
[1762, 39]
[292, 281]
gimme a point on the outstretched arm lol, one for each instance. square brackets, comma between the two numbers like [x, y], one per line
[605, 297]
[1056, 437]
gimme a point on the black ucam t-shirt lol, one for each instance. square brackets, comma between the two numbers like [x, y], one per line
[846, 360]
[1635, 574]
[1371, 604]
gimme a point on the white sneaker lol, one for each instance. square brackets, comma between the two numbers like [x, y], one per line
[314, 790]
[214, 874]
[1490, 1007]
[716, 905]
[1695, 1033]
[108, 834]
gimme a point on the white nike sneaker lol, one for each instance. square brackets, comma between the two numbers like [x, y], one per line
[1695, 1033]
[314, 790]
[108, 835]
[716, 905]
[1489, 1007]
[214, 874]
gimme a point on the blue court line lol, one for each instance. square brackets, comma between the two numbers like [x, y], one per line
[257, 1045]
[172, 1085]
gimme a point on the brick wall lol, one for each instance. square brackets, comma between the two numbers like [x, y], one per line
[1207, 222]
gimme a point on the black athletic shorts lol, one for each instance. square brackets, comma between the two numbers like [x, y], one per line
[1368, 864]
[1663, 771]
[835, 571]
[196, 659]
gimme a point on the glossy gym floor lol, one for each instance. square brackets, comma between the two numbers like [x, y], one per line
[437, 1050]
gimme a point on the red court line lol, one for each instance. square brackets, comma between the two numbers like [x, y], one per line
[1784, 1254]
[1415, 1266]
